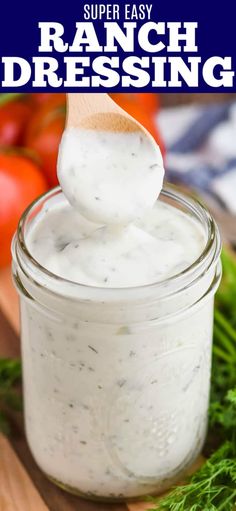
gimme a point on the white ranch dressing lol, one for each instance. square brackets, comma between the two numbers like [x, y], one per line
[110, 178]
[112, 235]
[114, 409]
[163, 243]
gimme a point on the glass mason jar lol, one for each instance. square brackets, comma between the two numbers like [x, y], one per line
[116, 381]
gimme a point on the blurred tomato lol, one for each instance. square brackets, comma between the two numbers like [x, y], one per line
[20, 182]
[148, 101]
[142, 112]
[44, 133]
[14, 116]
[43, 97]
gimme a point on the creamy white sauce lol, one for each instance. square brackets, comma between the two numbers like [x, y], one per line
[164, 243]
[115, 407]
[110, 178]
[112, 410]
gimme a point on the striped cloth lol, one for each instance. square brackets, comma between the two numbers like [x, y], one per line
[201, 149]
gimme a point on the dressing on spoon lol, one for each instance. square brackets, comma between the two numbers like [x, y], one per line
[110, 168]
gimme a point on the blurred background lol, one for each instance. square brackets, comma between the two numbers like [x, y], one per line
[196, 134]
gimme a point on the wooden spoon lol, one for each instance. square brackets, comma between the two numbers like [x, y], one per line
[100, 112]
[110, 168]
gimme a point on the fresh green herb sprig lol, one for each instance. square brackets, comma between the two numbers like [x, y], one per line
[10, 398]
[213, 486]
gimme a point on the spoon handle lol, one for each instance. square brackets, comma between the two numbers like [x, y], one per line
[82, 105]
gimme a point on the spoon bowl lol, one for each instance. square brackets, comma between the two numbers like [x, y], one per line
[110, 168]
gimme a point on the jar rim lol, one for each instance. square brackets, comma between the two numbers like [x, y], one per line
[209, 254]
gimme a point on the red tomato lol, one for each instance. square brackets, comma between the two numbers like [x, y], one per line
[44, 134]
[20, 183]
[39, 98]
[14, 116]
[148, 101]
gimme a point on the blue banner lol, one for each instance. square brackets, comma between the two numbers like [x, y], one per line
[164, 46]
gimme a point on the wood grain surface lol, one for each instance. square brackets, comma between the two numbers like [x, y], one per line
[17, 492]
[9, 301]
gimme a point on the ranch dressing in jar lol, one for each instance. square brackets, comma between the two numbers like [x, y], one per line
[116, 325]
